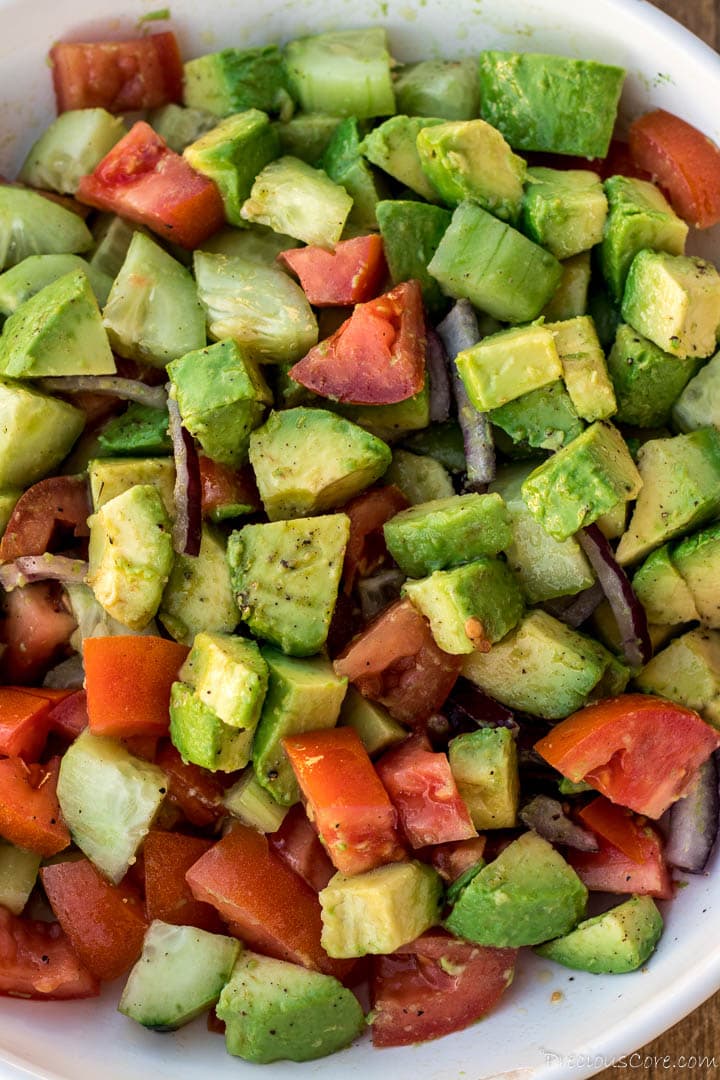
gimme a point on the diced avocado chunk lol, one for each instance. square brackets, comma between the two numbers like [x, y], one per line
[179, 975]
[309, 460]
[554, 103]
[257, 306]
[285, 575]
[675, 301]
[201, 737]
[229, 675]
[617, 941]
[110, 477]
[639, 217]
[687, 671]
[484, 764]
[233, 80]
[582, 481]
[443, 442]
[377, 729]
[180, 125]
[232, 154]
[130, 555]
[71, 147]
[275, 1011]
[411, 232]
[542, 667]
[697, 558]
[140, 430]
[506, 365]
[27, 278]
[544, 418]
[346, 72]
[390, 422]
[31, 224]
[421, 479]
[294, 198]
[662, 590]
[527, 895]
[445, 88]
[38, 431]
[699, 404]
[680, 490]
[18, 874]
[58, 331]
[393, 147]
[307, 135]
[447, 532]
[303, 695]
[198, 595]
[109, 800]
[342, 160]
[494, 266]
[570, 298]
[378, 911]
[469, 159]
[584, 368]
[647, 380]
[564, 210]
[248, 801]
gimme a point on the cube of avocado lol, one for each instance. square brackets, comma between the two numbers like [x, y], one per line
[411, 232]
[198, 595]
[377, 729]
[38, 432]
[639, 217]
[110, 477]
[662, 590]
[303, 695]
[564, 210]
[233, 80]
[552, 103]
[617, 941]
[447, 532]
[275, 1011]
[222, 397]
[494, 266]
[469, 607]
[680, 490]
[647, 380]
[248, 801]
[18, 874]
[687, 671]
[345, 165]
[392, 146]
[444, 88]
[421, 479]
[294, 198]
[584, 368]
[378, 911]
[138, 432]
[179, 975]
[229, 675]
[307, 135]
[346, 72]
[582, 481]
[309, 460]
[232, 154]
[542, 667]
[443, 442]
[285, 575]
[544, 418]
[58, 331]
[612, 525]
[130, 555]
[506, 365]
[699, 404]
[675, 301]
[390, 422]
[31, 224]
[179, 125]
[570, 298]
[27, 278]
[485, 766]
[697, 558]
[201, 737]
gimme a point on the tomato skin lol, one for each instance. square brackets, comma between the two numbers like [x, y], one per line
[377, 357]
[298, 844]
[222, 486]
[610, 870]
[453, 859]
[167, 858]
[38, 961]
[351, 274]
[120, 76]
[434, 986]
[142, 180]
[616, 825]
[395, 661]
[29, 809]
[24, 723]
[638, 750]
[36, 631]
[366, 549]
[348, 804]
[59, 501]
[683, 161]
[195, 791]
[423, 790]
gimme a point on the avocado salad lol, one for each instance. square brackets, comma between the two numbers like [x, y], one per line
[360, 563]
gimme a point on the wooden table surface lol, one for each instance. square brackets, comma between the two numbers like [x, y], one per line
[699, 1033]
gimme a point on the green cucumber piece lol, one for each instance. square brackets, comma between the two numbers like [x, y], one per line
[345, 72]
[70, 148]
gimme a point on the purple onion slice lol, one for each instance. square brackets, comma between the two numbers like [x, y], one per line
[574, 610]
[187, 528]
[628, 611]
[47, 567]
[469, 708]
[547, 817]
[692, 822]
[438, 377]
[155, 397]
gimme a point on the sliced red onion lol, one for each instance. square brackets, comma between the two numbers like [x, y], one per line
[155, 397]
[28, 568]
[187, 528]
[468, 708]
[692, 822]
[459, 331]
[378, 591]
[437, 370]
[547, 817]
[628, 611]
[575, 610]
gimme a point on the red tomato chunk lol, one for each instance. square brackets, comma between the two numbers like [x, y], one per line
[366, 548]
[167, 858]
[120, 76]
[197, 793]
[351, 274]
[24, 723]
[222, 486]
[58, 503]
[38, 961]
[298, 844]
[36, 631]
[29, 809]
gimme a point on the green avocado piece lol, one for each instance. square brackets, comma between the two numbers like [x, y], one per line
[201, 737]
[528, 894]
[443, 442]
[582, 481]
[378, 911]
[470, 605]
[494, 266]
[421, 479]
[18, 874]
[58, 331]
[222, 397]
[617, 941]
[232, 154]
[198, 595]
[564, 210]
[229, 676]
[570, 298]
[346, 72]
[675, 301]
[390, 422]
[38, 431]
[248, 801]
[303, 695]
[604, 313]
[687, 671]
[411, 232]
[74, 143]
[444, 88]
[233, 80]
[647, 380]
[180, 125]
[699, 403]
[307, 135]
[697, 558]
[139, 431]
[285, 576]
[294, 198]
[345, 165]
[553, 103]
[585, 370]
[544, 418]
[309, 460]
[509, 364]
[277, 1011]
[392, 146]
[377, 730]
[110, 477]
[447, 532]
[27, 278]
[31, 224]
[484, 764]
[662, 590]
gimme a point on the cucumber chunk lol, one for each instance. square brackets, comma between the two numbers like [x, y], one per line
[345, 72]
[25, 279]
[30, 224]
[294, 198]
[70, 148]
[18, 874]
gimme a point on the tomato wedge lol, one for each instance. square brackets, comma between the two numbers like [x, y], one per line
[610, 870]
[638, 750]
[297, 842]
[58, 503]
[377, 357]
[29, 809]
[351, 810]
[35, 630]
[224, 490]
[24, 723]
[120, 76]
[683, 161]
[69, 717]
[395, 661]
[617, 825]
[366, 548]
[434, 986]
[167, 859]
[38, 961]
[351, 274]
[197, 793]
[143, 180]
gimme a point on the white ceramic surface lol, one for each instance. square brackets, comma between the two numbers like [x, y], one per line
[553, 1024]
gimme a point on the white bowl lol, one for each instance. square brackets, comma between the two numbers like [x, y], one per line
[553, 1024]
